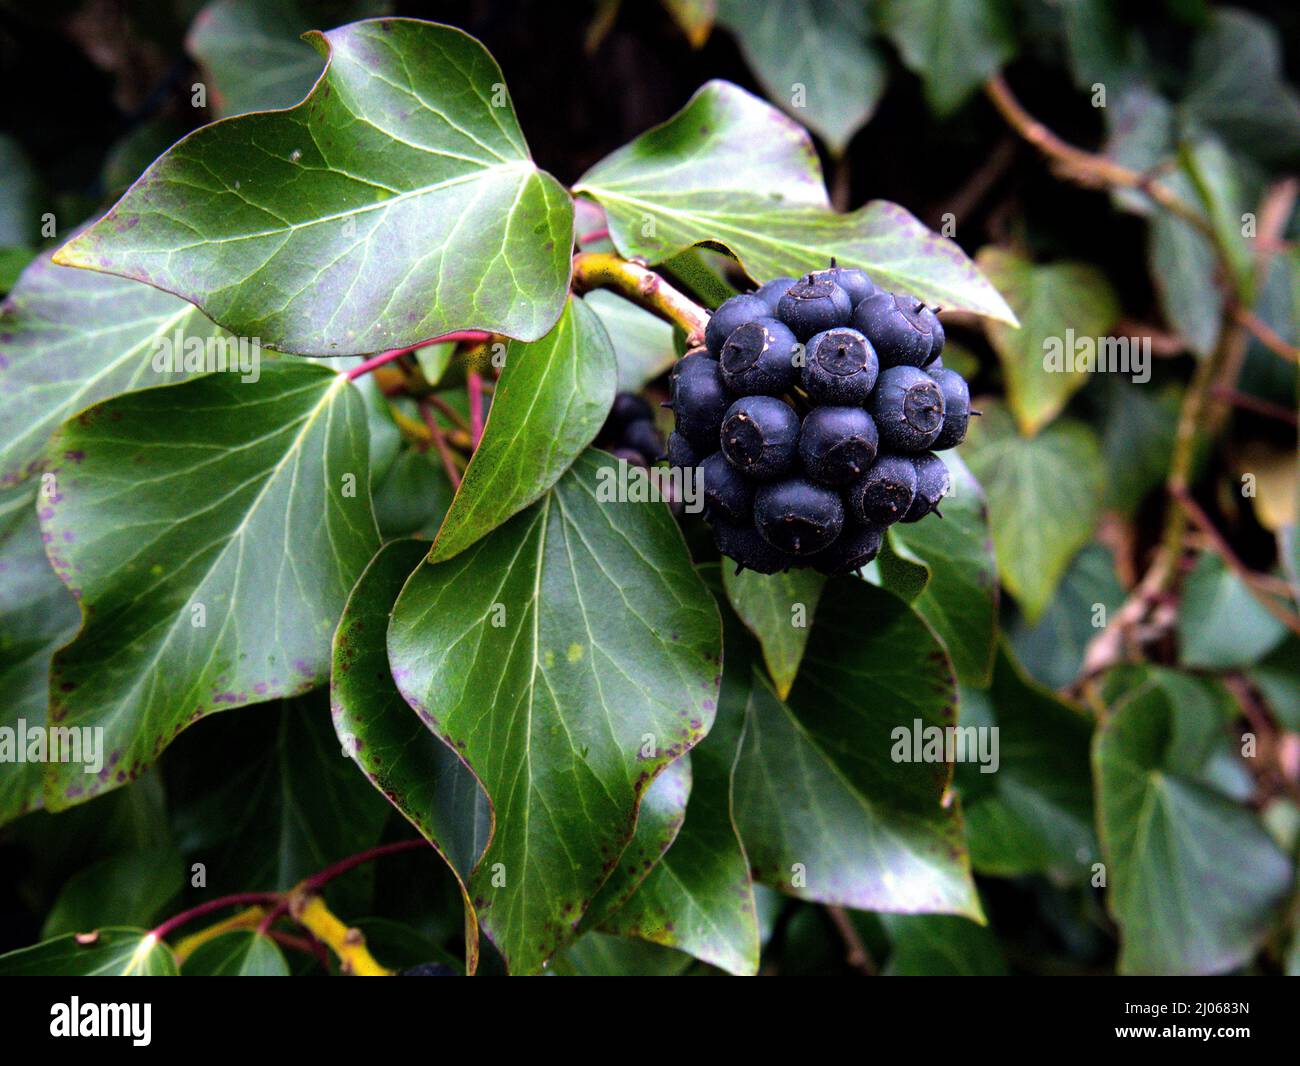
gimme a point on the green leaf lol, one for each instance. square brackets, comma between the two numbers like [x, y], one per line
[1222, 625]
[131, 886]
[953, 45]
[1044, 497]
[599, 955]
[1065, 310]
[643, 344]
[1277, 676]
[394, 204]
[267, 798]
[241, 953]
[778, 609]
[960, 599]
[1137, 440]
[1184, 268]
[20, 197]
[700, 898]
[410, 765]
[568, 656]
[658, 823]
[824, 810]
[1101, 48]
[1238, 87]
[1201, 713]
[110, 952]
[1194, 879]
[73, 338]
[549, 404]
[699, 178]
[414, 497]
[1034, 814]
[1052, 650]
[36, 616]
[171, 523]
[819, 48]
[937, 945]
[252, 53]
[1225, 198]
[1139, 135]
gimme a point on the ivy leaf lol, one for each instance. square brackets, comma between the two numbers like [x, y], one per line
[778, 609]
[1059, 305]
[820, 45]
[1221, 624]
[252, 53]
[643, 344]
[1137, 440]
[936, 945]
[1194, 879]
[601, 955]
[72, 338]
[418, 774]
[1184, 268]
[568, 656]
[823, 808]
[36, 616]
[953, 45]
[1034, 814]
[396, 203]
[960, 599]
[730, 170]
[1044, 496]
[549, 404]
[170, 526]
[109, 952]
[241, 953]
[130, 886]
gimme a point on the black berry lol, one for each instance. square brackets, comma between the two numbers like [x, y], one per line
[814, 304]
[760, 436]
[628, 407]
[727, 492]
[840, 367]
[837, 444]
[856, 546]
[681, 455]
[759, 357]
[937, 335]
[956, 407]
[428, 969]
[853, 281]
[885, 492]
[770, 292]
[641, 436]
[798, 516]
[932, 485]
[908, 408]
[699, 400]
[731, 314]
[894, 325]
[742, 542]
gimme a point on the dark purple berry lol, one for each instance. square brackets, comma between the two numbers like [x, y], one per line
[813, 305]
[681, 454]
[837, 444]
[742, 542]
[908, 408]
[840, 367]
[856, 546]
[727, 492]
[894, 325]
[853, 281]
[732, 313]
[770, 292]
[932, 485]
[937, 335]
[699, 400]
[760, 435]
[884, 493]
[798, 516]
[956, 407]
[642, 436]
[759, 357]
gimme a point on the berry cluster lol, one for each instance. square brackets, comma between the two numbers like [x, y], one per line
[814, 416]
[629, 432]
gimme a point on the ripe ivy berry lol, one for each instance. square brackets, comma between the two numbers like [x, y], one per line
[840, 367]
[813, 305]
[641, 436]
[727, 492]
[956, 407]
[884, 493]
[908, 408]
[856, 546]
[770, 292]
[853, 281]
[699, 400]
[798, 516]
[428, 969]
[628, 407]
[932, 485]
[759, 357]
[681, 454]
[937, 335]
[742, 542]
[837, 444]
[760, 435]
[731, 314]
[896, 329]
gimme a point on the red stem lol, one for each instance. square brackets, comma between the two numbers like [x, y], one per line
[468, 336]
[440, 442]
[594, 235]
[474, 385]
[240, 899]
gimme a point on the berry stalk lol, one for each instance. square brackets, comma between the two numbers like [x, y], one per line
[645, 288]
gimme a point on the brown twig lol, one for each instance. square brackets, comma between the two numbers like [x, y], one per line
[857, 956]
[1263, 332]
[1253, 403]
[641, 285]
